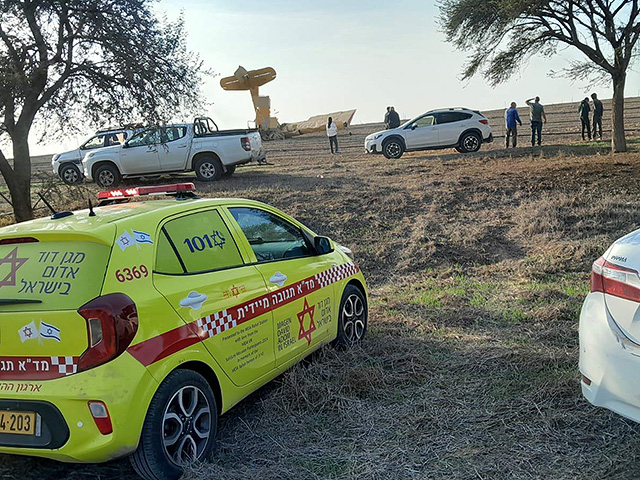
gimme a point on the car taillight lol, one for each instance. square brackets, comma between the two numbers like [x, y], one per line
[101, 416]
[11, 241]
[615, 280]
[246, 143]
[112, 322]
[484, 121]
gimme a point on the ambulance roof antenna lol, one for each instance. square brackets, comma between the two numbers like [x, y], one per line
[91, 212]
[54, 215]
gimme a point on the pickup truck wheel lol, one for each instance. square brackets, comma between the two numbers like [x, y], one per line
[392, 148]
[70, 174]
[230, 170]
[179, 429]
[107, 176]
[208, 169]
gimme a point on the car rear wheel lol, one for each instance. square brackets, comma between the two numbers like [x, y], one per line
[230, 171]
[208, 169]
[352, 317]
[107, 176]
[470, 142]
[70, 174]
[392, 148]
[179, 429]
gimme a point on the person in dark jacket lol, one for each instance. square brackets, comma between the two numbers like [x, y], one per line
[394, 118]
[584, 110]
[598, 110]
[512, 118]
[386, 119]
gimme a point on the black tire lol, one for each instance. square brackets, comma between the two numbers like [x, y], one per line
[230, 171]
[470, 142]
[352, 317]
[208, 169]
[458, 149]
[152, 460]
[392, 148]
[107, 176]
[70, 173]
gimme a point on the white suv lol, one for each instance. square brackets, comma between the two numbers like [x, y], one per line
[460, 128]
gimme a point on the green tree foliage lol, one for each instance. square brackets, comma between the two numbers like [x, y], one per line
[89, 62]
[502, 34]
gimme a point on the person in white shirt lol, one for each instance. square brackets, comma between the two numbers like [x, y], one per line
[332, 133]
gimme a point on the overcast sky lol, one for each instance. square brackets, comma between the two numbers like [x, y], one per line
[341, 54]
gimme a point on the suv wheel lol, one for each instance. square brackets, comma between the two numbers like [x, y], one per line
[392, 148]
[70, 174]
[470, 142]
[107, 176]
[208, 169]
[179, 429]
[230, 171]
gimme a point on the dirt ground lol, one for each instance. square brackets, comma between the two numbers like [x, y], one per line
[478, 265]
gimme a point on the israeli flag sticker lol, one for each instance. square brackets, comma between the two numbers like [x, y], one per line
[142, 237]
[49, 331]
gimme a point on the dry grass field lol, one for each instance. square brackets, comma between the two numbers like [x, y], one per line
[478, 265]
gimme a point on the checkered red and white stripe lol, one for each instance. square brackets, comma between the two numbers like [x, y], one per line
[66, 365]
[336, 273]
[216, 323]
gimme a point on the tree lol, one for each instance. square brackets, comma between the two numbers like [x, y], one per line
[88, 61]
[502, 34]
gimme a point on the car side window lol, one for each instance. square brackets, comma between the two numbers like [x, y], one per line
[146, 137]
[114, 139]
[425, 121]
[170, 134]
[196, 243]
[271, 237]
[450, 117]
[94, 142]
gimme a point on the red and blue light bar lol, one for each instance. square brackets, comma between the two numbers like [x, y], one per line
[170, 189]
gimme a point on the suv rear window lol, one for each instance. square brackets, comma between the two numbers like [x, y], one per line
[60, 275]
[196, 243]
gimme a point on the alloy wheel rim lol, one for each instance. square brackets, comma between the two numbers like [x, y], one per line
[186, 425]
[70, 175]
[393, 149]
[353, 318]
[471, 142]
[207, 170]
[106, 178]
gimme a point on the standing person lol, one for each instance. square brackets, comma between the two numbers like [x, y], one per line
[598, 110]
[386, 119]
[332, 133]
[394, 118]
[511, 117]
[584, 110]
[537, 116]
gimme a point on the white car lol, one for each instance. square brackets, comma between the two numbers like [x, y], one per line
[68, 165]
[176, 148]
[610, 330]
[460, 128]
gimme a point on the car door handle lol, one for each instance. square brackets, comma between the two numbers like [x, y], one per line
[182, 146]
[278, 278]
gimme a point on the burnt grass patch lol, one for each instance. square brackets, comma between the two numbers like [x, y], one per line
[478, 266]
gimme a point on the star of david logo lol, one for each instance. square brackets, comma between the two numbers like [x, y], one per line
[15, 262]
[27, 332]
[235, 291]
[312, 325]
[220, 239]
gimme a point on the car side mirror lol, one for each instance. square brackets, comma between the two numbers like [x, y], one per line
[322, 245]
[414, 126]
[125, 145]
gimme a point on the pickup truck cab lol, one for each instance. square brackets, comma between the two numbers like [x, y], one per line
[176, 148]
[68, 165]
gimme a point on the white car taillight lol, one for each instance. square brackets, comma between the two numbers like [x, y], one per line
[615, 280]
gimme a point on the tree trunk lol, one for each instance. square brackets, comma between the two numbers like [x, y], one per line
[618, 139]
[19, 181]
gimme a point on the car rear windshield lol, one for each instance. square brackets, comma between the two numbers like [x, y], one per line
[38, 276]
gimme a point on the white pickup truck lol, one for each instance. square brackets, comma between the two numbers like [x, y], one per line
[176, 148]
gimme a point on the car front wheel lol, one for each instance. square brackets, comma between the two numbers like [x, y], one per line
[107, 176]
[392, 148]
[352, 317]
[470, 142]
[230, 171]
[70, 174]
[179, 429]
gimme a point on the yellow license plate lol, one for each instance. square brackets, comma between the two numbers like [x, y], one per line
[21, 423]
